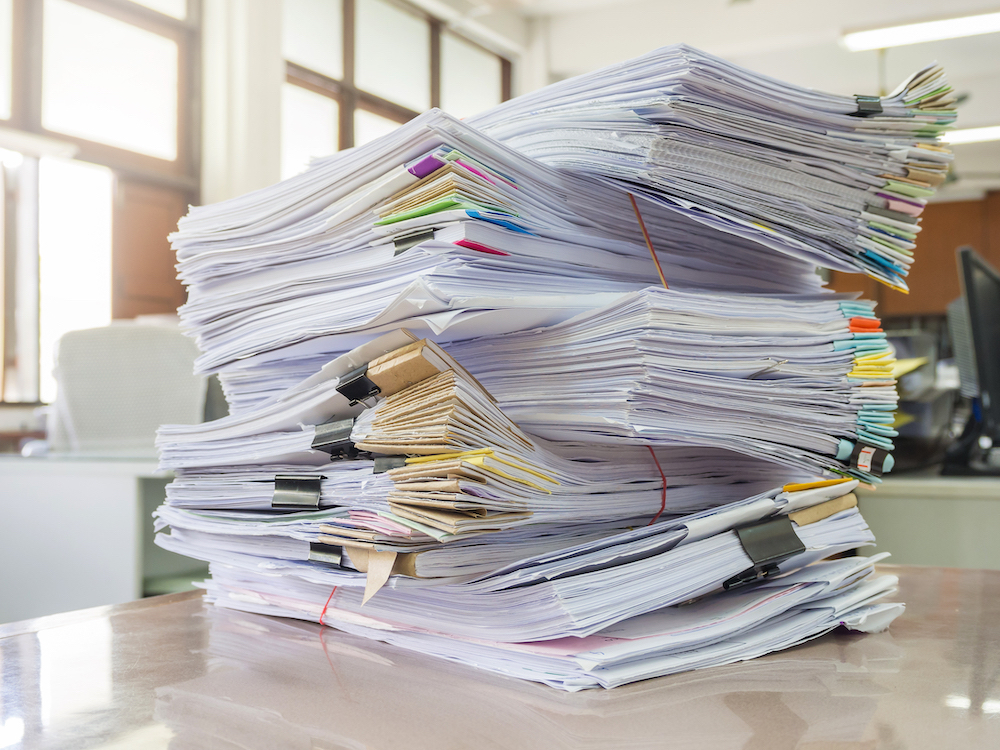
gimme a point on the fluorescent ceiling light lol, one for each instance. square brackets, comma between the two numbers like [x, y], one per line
[972, 135]
[915, 33]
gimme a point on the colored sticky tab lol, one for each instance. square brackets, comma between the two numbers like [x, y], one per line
[479, 247]
[449, 456]
[865, 322]
[814, 485]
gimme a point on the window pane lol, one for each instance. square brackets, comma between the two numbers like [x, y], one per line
[108, 81]
[74, 255]
[310, 126]
[313, 35]
[6, 55]
[368, 126]
[470, 77]
[175, 8]
[393, 54]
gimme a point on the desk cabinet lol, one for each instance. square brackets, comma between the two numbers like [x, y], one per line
[78, 533]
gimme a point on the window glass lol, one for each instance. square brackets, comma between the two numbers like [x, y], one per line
[470, 77]
[368, 126]
[393, 54]
[6, 55]
[175, 8]
[107, 81]
[309, 127]
[74, 249]
[313, 35]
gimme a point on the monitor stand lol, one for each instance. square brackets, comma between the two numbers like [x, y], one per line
[973, 454]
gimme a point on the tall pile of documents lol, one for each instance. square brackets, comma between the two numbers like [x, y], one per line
[468, 419]
[840, 181]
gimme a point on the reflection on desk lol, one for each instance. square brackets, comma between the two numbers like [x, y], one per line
[169, 671]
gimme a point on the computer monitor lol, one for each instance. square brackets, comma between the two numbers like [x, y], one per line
[974, 321]
[981, 285]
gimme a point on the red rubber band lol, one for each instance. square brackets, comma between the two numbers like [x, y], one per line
[323, 613]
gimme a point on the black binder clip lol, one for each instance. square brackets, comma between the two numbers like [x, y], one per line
[768, 544]
[296, 492]
[356, 387]
[868, 106]
[387, 463]
[404, 243]
[335, 438]
[327, 554]
[869, 458]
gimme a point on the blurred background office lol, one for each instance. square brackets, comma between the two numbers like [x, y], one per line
[115, 115]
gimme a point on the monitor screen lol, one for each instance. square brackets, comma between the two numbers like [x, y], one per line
[982, 294]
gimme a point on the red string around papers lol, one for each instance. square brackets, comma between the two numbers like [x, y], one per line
[649, 242]
[663, 492]
[323, 613]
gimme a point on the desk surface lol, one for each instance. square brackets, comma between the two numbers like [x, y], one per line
[170, 671]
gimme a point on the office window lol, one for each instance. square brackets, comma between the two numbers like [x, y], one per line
[313, 35]
[310, 123]
[108, 81]
[74, 255]
[368, 126]
[110, 87]
[380, 63]
[471, 77]
[6, 56]
[393, 54]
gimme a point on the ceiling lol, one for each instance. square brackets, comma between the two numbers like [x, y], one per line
[794, 40]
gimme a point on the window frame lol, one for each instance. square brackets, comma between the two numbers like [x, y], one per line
[350, 98]
[26, 96]
[182, 174]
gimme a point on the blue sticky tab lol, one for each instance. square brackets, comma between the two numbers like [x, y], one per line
[499, 222]
[882, 430]
[871, 439]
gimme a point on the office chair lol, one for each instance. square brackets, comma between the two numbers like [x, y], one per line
[118, 384]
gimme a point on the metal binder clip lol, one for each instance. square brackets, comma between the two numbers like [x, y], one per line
[387, 463]
[868, 106]
[296, 491]
[768, 544]
[327, 554]
[356, 387]
[404, 243]
[869, 458]
[335, 438]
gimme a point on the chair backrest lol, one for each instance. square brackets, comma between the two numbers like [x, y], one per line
[117, 385]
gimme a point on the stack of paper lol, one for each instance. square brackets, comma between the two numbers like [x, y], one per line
[804, 381]
[515, 529]
[837, 180]
[452, 467]
[438, 228]
[568, 473]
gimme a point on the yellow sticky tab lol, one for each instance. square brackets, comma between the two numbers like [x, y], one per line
[880, 356]
[891, 286]
[448, 456]
[814, 485]
[525, 468]
[480, 461]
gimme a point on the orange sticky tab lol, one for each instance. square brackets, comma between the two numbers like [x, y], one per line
[865, 322]
[814, 485]
[859, 329]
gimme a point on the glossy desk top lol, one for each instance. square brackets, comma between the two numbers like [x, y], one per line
[170, 672]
